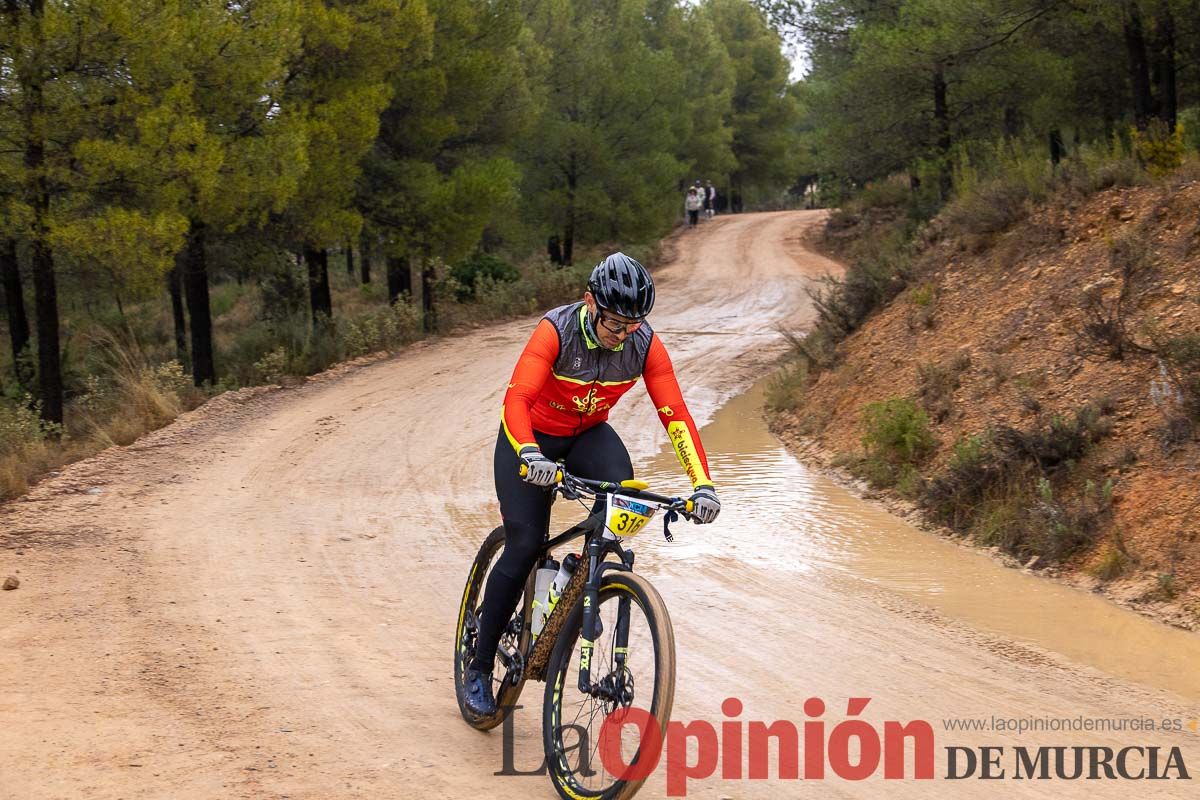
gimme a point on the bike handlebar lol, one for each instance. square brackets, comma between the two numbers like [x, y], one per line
[604, 487]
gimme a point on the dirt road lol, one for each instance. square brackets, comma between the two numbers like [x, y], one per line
[259, 600]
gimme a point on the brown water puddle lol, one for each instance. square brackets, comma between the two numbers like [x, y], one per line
[781, 515]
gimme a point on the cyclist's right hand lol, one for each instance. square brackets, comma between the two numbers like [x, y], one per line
[539, 470]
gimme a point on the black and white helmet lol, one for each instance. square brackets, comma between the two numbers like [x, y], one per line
[623, 286]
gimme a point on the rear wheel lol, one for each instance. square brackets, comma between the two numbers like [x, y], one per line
[507, 680]
[644, 680]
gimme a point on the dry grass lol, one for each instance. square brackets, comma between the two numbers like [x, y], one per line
[127, 398]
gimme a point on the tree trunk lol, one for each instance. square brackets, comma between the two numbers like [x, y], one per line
[1139, 64]
[568, 243]
[175, 289]
[349, 258]
[14, 301]
[428, 276]
[941, 116]
[195, 284]
[45, 288]
[1012, 122]
[1057, 149]
[364, 259]
[1166, 100]
[399, 277]
[319, 300]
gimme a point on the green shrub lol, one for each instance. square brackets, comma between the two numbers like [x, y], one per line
[21, 426]
[922, 296]
[272, 367]
[284, 292]
[819, 349]
[897, 430]
[993, 207]
[1158, 148]
[1165, 586]
[27, 445]
[785, 391]
[997, 184]
[970, 475]
[222, 298]
[386, 328]
[470, 271]
[247, 346]
[322, 349]
[1189, 121]
[1111, 565]
[890, 193]
[1001, 487]
[880, 267]
[1095, 167]
[880, 473]
[999, 521]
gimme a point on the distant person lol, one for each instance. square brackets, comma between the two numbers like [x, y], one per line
[693, 203]
[710, 200]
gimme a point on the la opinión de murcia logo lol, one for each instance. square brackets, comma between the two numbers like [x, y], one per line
[853, 749]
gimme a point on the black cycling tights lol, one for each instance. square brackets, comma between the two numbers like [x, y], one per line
[597, 453]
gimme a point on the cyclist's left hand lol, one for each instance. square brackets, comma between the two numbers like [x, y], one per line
[705, 505]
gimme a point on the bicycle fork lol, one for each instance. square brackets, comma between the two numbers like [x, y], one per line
[592, 629]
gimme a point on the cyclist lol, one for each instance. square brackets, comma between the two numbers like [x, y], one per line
[580, 360]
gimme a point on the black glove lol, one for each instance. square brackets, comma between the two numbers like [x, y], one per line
[705, 505]
[540, 471]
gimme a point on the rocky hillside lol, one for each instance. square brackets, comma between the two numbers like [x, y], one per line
[1036, 390]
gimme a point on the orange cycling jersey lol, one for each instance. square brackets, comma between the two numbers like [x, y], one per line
[565, 383]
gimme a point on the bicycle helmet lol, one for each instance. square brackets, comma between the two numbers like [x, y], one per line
[623, 286]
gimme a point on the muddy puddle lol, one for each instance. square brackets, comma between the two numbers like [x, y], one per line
[780, 515]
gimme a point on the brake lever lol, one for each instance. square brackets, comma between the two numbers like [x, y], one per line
[671, 516]
[567, 492]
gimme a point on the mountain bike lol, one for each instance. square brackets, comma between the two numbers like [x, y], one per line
[607, 644]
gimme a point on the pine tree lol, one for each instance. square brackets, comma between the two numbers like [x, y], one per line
[762, 114]
[340, 83]
[437, 173]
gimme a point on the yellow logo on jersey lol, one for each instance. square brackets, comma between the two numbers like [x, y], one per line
[667, 411]
[589, 404]
[685, 450]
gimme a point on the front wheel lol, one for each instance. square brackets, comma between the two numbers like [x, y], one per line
[632, 666]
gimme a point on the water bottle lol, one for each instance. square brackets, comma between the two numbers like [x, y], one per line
[542, 583]
[562, 577]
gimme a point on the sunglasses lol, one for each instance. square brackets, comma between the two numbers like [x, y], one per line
[613, 325]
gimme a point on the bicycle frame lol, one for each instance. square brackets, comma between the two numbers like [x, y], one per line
[598, 544]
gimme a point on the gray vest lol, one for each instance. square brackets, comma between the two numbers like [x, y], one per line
[580, 359]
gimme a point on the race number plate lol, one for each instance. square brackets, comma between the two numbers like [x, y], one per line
[625, 516]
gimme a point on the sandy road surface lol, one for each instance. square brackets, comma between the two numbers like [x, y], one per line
[258, 601]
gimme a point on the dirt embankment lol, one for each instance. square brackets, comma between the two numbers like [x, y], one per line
[1075, 303]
